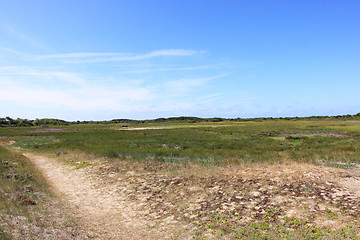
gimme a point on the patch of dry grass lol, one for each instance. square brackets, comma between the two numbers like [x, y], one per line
[278, 200]
[28, 210]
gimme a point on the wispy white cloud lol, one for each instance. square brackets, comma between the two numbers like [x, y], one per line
[83, 95]
[10, 50]
[100, 57]
[81, 55]
[117, 57]
[165, 69]
[14, 31]
[31, 75]
[215, 95]
[211, 98]
[90, 98]
[187, 84]
[8, 55]
[44, 83]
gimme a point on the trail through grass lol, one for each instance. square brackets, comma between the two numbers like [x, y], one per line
[28, 210]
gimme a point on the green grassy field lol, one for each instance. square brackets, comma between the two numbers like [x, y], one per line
[225, 142]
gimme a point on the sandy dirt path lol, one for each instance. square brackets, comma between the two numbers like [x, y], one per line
[100, 210]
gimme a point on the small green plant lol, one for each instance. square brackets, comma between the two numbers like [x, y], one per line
[260, 225]
[199, 223]
[271, 214]
[294, 222]
[216, 218]
[238, 236]
[82, 164]
[330, 213]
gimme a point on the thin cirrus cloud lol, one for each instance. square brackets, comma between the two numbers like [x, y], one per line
[211, 98]
[119, 98]
[98, 57]
[33, 76]
[14, 31]
[47, 82]
[31, 87]
[186, 85]
[166, 69]
[87, 57]
[11, 51]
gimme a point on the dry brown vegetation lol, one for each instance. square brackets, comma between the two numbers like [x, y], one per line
[28, 209]
[233, 201]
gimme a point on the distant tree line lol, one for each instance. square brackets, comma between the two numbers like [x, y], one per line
[10, 122]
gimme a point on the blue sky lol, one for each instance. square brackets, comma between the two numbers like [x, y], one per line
[99, 60]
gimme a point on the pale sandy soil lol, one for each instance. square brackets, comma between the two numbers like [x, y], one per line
[148, 200]
[102, 211]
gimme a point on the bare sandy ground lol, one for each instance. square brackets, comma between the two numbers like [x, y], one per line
[148, 201]
[103, 212]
